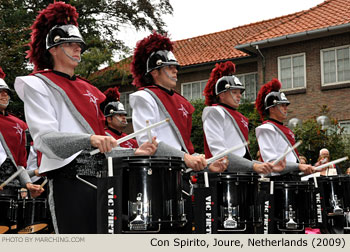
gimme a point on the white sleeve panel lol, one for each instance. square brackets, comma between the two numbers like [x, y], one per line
[271, 144]
[220, 132]
[213, 127]
[146, 108]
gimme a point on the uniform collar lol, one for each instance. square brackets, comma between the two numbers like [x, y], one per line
[73, 78]
[115, 131]
[227, 106]
[169, 92]
[274, 120]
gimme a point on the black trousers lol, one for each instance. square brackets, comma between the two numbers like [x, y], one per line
[73, 205]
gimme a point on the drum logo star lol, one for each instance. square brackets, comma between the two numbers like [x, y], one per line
[19, 130]
[245, 123]
[184, 111]
[93, 99]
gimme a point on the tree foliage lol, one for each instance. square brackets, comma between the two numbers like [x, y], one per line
[315, 138]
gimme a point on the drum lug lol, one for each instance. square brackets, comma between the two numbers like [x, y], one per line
[139, 222]
[230, 222]
[290, 214]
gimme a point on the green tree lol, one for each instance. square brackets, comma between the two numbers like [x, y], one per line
[315, 138]
[197, 136]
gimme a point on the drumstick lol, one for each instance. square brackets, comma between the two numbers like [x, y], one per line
[222, 154]
[206, 180]
[136, 133]
[319, 168]
[149, 132]
[286, 153]
[13, 176]
[110, 167]
[44, 183]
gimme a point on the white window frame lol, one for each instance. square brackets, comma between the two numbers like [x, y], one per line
[346, 122]
[190, 83]
[126, 104]
[279, 70]
[336, 65]
[256, 84]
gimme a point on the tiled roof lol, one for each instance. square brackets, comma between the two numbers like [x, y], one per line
[327, 14]
[221, 45]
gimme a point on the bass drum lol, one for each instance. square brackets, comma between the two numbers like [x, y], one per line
[152, 194]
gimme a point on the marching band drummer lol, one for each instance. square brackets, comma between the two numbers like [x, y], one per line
[154, 68]
[224, 127]
[115, 115]
[64, 118]
[12, 145]
[273, 137]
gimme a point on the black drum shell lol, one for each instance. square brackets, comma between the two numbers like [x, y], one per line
[239, 189]
[32, 215]
[158, 178]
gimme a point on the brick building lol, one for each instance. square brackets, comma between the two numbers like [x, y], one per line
[308, 51]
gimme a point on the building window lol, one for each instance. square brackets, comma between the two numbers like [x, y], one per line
[249, 81]
[124, 98]
[292, 71]
[346, 127]
[335, 65]
[193, 90]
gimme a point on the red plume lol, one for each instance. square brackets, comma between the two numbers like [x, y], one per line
[112, 94]
[58, 13]
[143, 50]
[273, 85]
[2, 74]
[222, 69]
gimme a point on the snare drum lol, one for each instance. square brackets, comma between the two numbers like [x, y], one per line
[32, 215]
[152, 193]
[8, 209]
[291, 206]
[231, 202]
[8, 212]
[335, 200]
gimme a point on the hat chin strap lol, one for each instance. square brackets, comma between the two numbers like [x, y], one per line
[121, 122]
[278, 107]
[166, 73]
[233, 98]
[70, 57]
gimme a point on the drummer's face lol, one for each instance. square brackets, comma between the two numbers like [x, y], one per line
[165, 76]
[118, 122]
[231, 98]
[279, 112]
[4, 99]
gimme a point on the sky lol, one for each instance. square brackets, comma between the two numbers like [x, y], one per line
[193, 18]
